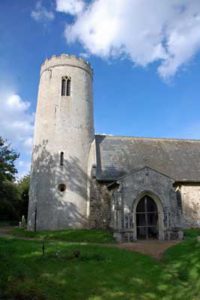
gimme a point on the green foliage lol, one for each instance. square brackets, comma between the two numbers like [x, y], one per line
[23, 189]
[9, 195]
[7, 161]
[94, 272]
[14, 199]
[13, 196]
[9, 200]
[69, 235]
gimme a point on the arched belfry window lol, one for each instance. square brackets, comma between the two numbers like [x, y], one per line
[66, 86]
[63, 87]
[68, 92]
[61, 158]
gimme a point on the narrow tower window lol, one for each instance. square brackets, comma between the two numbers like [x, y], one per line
[63, 87]
[66, 86]
[61, 158]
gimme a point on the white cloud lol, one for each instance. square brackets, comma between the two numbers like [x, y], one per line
[146, 31]
[72, 7]
[16, 125]
[16, 122]
[23, 168]
[84, 55]
[41, 14]
[28, 143]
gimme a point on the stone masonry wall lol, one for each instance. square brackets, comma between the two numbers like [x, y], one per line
[100, 206]
[191, 205]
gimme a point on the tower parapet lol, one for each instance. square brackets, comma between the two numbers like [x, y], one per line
[65, 59]
[63, 136]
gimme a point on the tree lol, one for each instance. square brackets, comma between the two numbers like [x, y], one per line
[9, 201]
[7, 161]
[9, 195]
[23, 189]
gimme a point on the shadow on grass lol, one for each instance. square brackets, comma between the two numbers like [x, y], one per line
[98, 273]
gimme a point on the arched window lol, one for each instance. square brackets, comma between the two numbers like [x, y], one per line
[61, 158]
[66, 86]
[147, 219]
[63, 87]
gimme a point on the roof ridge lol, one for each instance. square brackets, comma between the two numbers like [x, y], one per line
[147, 138]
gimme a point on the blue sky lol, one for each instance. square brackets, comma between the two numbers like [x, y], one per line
[145, 56]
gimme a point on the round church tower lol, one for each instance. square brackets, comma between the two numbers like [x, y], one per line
[62, 140]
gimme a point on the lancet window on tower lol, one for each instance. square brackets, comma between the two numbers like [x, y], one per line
[61, 158]
[66, 86]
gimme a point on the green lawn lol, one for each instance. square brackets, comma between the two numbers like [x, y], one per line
[68, 235]
[96, 272]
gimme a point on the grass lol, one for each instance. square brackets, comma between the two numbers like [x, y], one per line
[96, 272]
[8, 223]
[68, 235]
[192, 233]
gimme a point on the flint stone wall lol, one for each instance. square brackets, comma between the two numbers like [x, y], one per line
[100, 206]
[191, 205]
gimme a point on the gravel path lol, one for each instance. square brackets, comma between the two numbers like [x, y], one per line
[153, 248]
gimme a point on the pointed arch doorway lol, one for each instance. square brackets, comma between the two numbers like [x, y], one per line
[147, 219]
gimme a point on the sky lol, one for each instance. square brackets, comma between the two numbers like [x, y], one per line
[145, 55]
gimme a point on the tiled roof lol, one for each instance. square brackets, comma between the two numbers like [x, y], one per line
[118, 156]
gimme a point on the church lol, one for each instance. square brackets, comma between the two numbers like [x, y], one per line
[139, 188]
